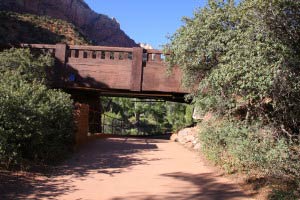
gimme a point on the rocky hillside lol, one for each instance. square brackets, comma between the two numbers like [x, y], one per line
[98, 28]
[27, 28]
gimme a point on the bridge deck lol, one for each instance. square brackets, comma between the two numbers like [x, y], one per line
[113, 70]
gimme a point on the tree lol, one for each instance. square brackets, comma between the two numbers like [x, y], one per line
[36, 123]
[30, 67]
[245, 58]
[242, 56]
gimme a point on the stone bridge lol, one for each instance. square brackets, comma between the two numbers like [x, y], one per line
[114, 71]
[88, 72]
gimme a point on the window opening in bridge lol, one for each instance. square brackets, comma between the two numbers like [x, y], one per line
[152, 57]
[145, 57]
[163, 57]
[94, 54]
[112, 55]
[76, 53]
[130, 56]
[85, 54]
[44, 51]
[52, 52]
[121, 55]
[47, 51]
[69, 54]
[102, 54]
[158, 57]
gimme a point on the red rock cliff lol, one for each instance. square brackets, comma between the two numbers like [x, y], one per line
[101, 29]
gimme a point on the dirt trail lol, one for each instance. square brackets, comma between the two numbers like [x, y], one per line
[127, 168]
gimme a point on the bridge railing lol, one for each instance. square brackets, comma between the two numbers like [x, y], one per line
[97, 53]
[156, 55]
[45, 48]
[101, 52]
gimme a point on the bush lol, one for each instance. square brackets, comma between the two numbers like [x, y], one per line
[243, 147]
[30, 67]
[35, 122]
[245, 59]
[244, 55]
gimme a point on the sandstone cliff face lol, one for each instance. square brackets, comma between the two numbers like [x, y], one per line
[99, 28]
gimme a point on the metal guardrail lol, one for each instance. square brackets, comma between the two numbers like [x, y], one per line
[111, 125]
[115, 126]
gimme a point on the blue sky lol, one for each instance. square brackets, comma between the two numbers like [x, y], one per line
[147, 21]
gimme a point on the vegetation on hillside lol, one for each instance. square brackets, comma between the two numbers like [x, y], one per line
[27, 28]
[36, 123]
[245, 58]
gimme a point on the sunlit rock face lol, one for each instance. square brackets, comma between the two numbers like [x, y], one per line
[100, 29]
[188, 137]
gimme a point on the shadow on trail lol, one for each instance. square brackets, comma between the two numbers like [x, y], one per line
[110, 156]
[206, 188]
[23, 185]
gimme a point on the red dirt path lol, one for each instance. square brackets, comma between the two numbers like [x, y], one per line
[127, 168]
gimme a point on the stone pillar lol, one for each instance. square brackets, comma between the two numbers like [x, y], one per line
[81, 115]
[95, 114]
[95, 109]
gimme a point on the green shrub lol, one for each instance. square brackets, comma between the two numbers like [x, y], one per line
[35, 122]
[245, 59]
[242, 147]
[282, 195]
[244, 55]
[22, 61]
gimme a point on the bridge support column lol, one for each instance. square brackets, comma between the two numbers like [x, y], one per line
[82, 124]
[95, 110]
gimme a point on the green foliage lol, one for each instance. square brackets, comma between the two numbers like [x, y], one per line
[148, 116]
[178, 115]
[36, 123]
[243, 56]
[242, 147]
[282, 195]
[22, 61]
[245, 59]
